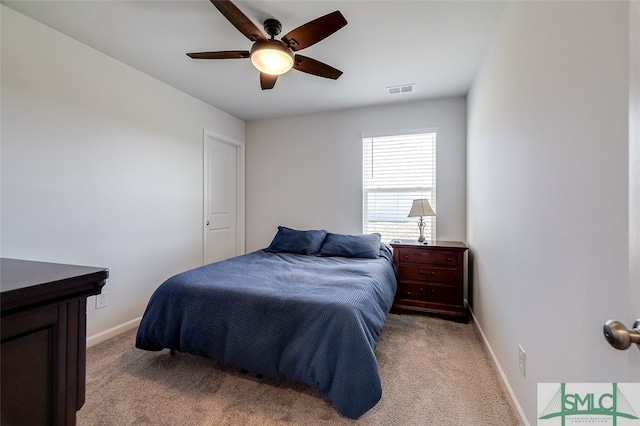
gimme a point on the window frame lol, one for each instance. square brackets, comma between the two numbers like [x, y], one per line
[409, 228]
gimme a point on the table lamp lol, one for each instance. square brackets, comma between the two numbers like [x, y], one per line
[419, 209]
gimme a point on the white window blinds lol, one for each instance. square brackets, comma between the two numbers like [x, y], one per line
[396, 171]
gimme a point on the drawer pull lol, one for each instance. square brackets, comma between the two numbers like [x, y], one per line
[430, 274]
[406, 257]
[448, 259]
[432, 291]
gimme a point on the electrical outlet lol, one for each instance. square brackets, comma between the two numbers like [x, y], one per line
[101, 300]
[522, 360]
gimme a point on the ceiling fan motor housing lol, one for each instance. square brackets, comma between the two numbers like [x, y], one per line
[273, 27]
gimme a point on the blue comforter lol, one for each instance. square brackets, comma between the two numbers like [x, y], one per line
[310, 319]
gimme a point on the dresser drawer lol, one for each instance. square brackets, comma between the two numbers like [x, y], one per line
[409, 272]
[427, 292]
[437, 257]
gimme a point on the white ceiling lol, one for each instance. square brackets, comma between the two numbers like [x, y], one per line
[437, 45]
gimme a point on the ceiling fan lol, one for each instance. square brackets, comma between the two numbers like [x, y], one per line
[275, 57]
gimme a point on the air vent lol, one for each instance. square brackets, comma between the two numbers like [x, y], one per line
[405, 88]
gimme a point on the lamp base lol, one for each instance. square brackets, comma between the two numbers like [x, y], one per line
[421, 226]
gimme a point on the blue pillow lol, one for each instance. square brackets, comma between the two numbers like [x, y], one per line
[289, 240]
[344, 245]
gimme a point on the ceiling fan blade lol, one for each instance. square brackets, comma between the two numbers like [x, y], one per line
[311, 66]
[239, 20]
[314, 31]
[226, 54]
[267, 81]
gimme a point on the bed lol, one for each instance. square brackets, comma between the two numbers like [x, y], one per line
[310, 308]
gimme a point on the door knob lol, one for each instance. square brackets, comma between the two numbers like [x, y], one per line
[207, 223]
[619, 337]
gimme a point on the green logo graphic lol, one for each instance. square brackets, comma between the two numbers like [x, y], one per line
[565, 404]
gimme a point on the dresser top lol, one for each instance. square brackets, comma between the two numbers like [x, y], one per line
[436, 244]
[24, 282]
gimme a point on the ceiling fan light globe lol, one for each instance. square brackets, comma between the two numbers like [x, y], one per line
[271, 57]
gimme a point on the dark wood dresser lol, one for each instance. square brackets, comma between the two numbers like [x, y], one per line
[430, 278]
[43, 350]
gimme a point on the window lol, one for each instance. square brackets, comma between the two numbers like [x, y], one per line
[396, 171]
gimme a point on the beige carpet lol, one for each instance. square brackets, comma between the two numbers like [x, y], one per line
[434, 372]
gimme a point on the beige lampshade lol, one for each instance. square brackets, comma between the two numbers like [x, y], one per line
[421, 208]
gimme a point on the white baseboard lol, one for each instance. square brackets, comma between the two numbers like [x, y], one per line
[514, 401]
[114, 331]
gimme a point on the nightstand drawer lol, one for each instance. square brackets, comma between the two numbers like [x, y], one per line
[437, 257]
[408, 272]
[427, 292]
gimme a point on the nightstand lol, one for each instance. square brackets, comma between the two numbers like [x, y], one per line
[430, 278]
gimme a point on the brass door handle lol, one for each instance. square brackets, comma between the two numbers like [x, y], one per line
[619, 337]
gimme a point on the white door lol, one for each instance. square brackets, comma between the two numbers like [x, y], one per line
[633, 302]
[223, 198]
[630, 308]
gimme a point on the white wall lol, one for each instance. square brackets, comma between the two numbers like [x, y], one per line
[101, 165]
[306, 171]
[548, 187]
